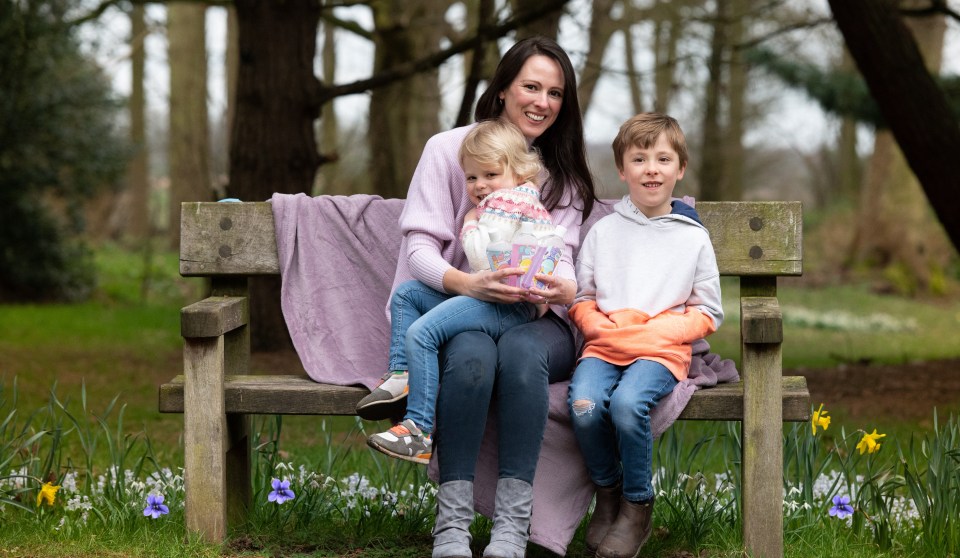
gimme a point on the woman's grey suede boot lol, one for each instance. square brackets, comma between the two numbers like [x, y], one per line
[451, 534]
[511, 520]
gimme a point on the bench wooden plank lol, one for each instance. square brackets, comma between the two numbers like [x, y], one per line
[299, 395]
[214, 316]
[749, 238]
[761, 320]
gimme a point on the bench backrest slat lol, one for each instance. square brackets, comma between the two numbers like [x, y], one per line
[750, 238]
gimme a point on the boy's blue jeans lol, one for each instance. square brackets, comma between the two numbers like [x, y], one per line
[610, 407]
[423, 320]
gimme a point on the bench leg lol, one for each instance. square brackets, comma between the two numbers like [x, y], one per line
[762, 482]
[240, 494]
[205, 438]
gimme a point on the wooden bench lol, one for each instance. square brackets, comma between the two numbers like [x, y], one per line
[755, 241]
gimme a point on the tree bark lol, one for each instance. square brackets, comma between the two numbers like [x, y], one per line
[734, 154]
[138, 175]
[896, 229]
[711, 165]
[547, 26]
[328, 182]
[272, 147]
[404, 114]
[910, 101]
[189, 143]
[668, 27]
[602, 27]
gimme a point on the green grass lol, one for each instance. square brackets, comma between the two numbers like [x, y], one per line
[125, 342]
[824, 327]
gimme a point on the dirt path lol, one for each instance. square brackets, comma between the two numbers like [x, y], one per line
[909, 391]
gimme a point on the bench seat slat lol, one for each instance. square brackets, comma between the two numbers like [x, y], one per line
[299, 395]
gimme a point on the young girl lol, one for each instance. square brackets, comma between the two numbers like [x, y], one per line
[501, 179]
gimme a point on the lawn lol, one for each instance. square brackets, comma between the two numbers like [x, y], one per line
[125, 342]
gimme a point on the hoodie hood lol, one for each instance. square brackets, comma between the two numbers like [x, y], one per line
[680, 212]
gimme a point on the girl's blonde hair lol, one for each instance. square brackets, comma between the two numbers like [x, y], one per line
[498, 142]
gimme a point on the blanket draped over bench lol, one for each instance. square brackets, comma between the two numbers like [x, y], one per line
[337, 259]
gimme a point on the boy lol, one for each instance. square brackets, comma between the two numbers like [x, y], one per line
[648, 287]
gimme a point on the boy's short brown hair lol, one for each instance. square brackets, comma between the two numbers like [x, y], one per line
[643, 130]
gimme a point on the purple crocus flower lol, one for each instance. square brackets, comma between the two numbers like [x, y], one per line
[155, 507]
[281, 491]
[841, 507]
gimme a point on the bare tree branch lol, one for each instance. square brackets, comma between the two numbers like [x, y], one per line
[484, 32]
[807, 24]
[347, 25]
[936, 7]
[105, 5]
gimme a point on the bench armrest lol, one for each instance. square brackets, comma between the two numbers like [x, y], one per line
[214, 316]
[761, 320]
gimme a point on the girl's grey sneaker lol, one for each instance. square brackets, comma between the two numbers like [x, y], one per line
[404, 441]
[387, 400]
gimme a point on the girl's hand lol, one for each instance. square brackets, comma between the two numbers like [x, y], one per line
[488, 285]
[558, 291]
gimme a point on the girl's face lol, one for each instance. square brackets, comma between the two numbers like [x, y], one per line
[533, 100]
[484, 179]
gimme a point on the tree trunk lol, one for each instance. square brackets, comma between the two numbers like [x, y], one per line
[403, 115]
[478, 63]
[633, 78]
[668, 27]
[547, 26]
[189, 143]
[849, 169]
[138, 174]
[711, 165]
[327, 182]
[731, 186]
[918, 116]
[272, 147]
[897, 231]
[602, 27]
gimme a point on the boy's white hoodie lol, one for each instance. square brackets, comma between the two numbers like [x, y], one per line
[648, 287]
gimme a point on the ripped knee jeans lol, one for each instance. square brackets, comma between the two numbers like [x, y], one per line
[610, 408]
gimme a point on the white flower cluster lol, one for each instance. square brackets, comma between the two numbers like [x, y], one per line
[845, 321]
[903, 510]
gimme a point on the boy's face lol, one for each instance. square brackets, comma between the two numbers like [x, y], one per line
[482, 180]
[651, 175]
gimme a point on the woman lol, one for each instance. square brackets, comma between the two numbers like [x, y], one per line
[534, 87]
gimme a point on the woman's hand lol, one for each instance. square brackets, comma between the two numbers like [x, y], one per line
[557, 291]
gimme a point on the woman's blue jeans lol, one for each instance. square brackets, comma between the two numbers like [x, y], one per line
[610, 407]
[437, 318]
[515, 372]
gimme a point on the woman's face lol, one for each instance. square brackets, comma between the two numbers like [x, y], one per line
[533, 100]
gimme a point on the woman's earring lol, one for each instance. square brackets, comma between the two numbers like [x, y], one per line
[500, 100]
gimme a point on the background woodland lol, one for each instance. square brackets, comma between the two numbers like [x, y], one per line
[83, 161]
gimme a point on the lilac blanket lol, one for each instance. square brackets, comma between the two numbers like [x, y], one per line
[337, 258]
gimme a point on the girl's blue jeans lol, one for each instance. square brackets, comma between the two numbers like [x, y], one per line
[514, 373]
[423, 320]
[610, 407]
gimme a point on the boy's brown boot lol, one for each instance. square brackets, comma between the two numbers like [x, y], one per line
[631, 529]
[604, 514]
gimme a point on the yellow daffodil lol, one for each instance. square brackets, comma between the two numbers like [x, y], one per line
[870, 443]
[820, 419]
[48, 493]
